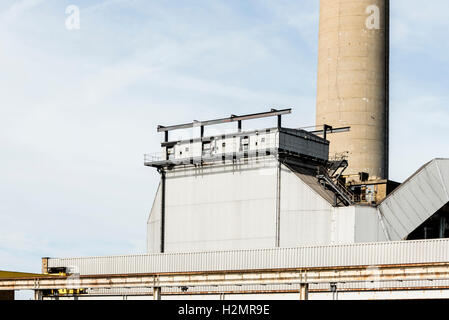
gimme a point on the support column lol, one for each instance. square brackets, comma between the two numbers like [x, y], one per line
[278, 203]
[334, 291]
[304, 291]
[157, 293]
[45, 265]
[38, 295]
[163, 187]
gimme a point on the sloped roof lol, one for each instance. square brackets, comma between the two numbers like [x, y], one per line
[308, 176]
[417, 199]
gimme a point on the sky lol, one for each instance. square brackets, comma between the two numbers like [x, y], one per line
[80, 107]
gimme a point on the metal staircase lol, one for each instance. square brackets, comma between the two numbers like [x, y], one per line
[342, 194]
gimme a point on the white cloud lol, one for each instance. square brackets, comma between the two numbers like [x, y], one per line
[16, 9]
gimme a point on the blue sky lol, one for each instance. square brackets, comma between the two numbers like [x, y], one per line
[78, 109]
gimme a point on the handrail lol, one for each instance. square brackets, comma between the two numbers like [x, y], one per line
[341, 189]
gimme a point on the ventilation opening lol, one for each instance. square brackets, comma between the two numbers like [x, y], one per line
[436, 227]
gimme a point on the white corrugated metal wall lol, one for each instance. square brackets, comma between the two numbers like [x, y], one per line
[366, 254]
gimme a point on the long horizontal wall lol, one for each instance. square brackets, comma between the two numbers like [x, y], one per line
[271, 291]
[380, 253]
[313, 295]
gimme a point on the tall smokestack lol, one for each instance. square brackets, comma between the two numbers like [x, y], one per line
[353, 76]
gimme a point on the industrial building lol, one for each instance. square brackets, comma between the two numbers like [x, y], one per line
[276, 187]
[286, 213]
[265, 214]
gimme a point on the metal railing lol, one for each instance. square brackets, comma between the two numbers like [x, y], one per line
[338, 187]
[153, 157]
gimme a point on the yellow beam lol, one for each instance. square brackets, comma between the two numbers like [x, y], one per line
[13, 275]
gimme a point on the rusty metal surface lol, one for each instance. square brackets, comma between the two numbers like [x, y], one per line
[415, 272]
[264, 290]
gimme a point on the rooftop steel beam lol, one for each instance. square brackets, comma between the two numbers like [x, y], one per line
[330, 130]
[232, 118]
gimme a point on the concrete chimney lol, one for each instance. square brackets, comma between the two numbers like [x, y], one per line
[353, 76]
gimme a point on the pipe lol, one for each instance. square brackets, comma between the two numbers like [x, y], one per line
[163, 188]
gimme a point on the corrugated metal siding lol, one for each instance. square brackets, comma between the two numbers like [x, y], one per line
[402, 252]
[417, 199]
[444, 171]
[343, 225]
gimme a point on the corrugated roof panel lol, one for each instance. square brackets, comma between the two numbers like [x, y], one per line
[417, 199]
[431, 181]
[443, 170]
[395, 227]
[405, 219]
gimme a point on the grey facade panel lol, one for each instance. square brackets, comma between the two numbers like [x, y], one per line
[154, 225]
[304, 143]
[218, 207]
[367, 225]
[305, 215]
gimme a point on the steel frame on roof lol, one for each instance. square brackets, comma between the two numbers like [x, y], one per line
[232, 118]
